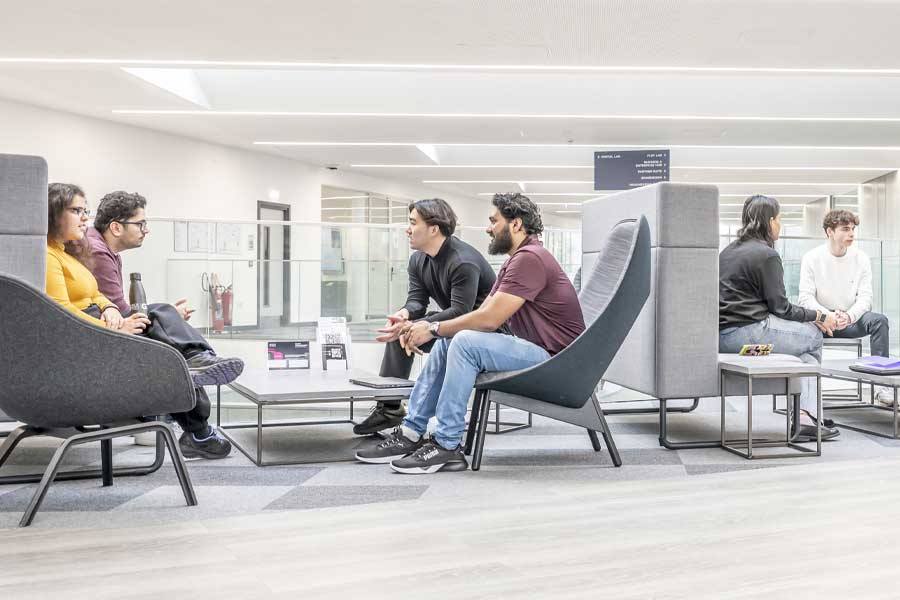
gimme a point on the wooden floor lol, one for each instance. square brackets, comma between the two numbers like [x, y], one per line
[814, 530]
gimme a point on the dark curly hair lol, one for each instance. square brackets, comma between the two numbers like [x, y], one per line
[435, 211]
[517, 206]
[60, 197]
[117, 206]
[758, 211]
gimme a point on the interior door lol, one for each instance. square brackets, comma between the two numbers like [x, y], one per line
[272, 267]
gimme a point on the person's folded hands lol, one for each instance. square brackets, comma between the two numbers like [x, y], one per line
[417, 334]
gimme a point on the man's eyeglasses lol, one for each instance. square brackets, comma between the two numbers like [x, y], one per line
[141, 224]
[80, 211]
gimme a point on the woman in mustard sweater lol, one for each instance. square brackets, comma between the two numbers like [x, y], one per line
[69, 282]
[72, 285]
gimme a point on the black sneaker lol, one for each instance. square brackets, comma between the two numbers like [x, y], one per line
[381, 418]
[213, 447]
[431, 457]
[208, 369]
[393, 447]
[807, 433]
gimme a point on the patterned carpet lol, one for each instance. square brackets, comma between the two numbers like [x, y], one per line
[547, 452]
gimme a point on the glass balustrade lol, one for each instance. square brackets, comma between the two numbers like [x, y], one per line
[273, 280]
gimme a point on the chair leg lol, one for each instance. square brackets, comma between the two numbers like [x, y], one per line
[607, 434]
[106, 460]
[473, 422]
[178, 462]
[44, 485]
[12, 440]
[484, 413]
[595, 441]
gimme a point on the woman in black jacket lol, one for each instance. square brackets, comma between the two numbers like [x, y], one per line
[754, 309]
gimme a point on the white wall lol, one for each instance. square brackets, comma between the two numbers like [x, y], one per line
[190, 179]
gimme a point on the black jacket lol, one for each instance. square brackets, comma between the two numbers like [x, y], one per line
[458, 278]
[751, 286]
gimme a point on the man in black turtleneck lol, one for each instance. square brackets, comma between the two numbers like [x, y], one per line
[443, 268]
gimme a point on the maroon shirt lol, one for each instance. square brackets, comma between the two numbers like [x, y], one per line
[551, 316]
[107, 270]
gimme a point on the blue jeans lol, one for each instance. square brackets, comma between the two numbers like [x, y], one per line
[803, 340]
[444, 385]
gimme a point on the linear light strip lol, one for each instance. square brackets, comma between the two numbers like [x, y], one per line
[655, 146]
[673, 167]
[591, 181]
[599, 117]
[448, 67]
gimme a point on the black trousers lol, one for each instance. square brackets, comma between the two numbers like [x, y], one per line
[396, 363]
[167, 326]
[874, 325]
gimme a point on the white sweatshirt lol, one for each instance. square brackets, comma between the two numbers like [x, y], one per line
[829, 282]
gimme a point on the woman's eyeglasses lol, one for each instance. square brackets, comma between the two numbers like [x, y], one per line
[80, 211]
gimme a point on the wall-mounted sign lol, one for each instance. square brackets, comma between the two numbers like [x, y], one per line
[627, 169]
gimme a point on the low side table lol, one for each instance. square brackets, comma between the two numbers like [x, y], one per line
[295, 388]
[840, 369]
[751, 368]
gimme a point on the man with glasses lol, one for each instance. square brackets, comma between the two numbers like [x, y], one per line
[121, 225]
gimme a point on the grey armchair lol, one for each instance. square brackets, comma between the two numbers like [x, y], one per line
[563, 387]
[68, 378]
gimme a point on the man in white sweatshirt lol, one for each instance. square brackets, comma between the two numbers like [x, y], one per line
[837, 278]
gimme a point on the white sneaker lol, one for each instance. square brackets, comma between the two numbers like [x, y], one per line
[884, 396]
[145, 438]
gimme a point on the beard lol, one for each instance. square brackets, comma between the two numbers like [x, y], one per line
[501, 243]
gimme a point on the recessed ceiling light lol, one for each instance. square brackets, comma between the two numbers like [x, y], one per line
[673, 167]
[447, 67]
[598, 117]
[585, 194]
[745, 196]
[573, 145]
[591, 181]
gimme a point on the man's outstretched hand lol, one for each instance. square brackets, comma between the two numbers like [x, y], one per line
[393, 327]
[183, 310]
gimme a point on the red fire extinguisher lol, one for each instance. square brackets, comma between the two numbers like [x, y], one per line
[227, 305]
[210, 284]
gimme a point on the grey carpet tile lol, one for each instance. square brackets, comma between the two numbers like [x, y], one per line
[307, 442]
[77, 496]
[600, 472]
[241, 476]
[572, 458]
[320, 496]
[30, 454]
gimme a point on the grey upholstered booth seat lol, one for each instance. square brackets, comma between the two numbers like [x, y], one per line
[23, 224]
[563, 387]
[672, 352]
[63, 376]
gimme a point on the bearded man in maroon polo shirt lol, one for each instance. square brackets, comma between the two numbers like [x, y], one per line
[532, 295]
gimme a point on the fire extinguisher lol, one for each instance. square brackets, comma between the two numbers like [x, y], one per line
[227, 304]
[210, 284]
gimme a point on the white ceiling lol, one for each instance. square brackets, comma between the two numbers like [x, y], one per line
[502, 89]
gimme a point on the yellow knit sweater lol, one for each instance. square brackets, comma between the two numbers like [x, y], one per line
[71, 284]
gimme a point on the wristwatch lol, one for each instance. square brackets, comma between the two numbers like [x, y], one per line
[821, 318]
[434, 328]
